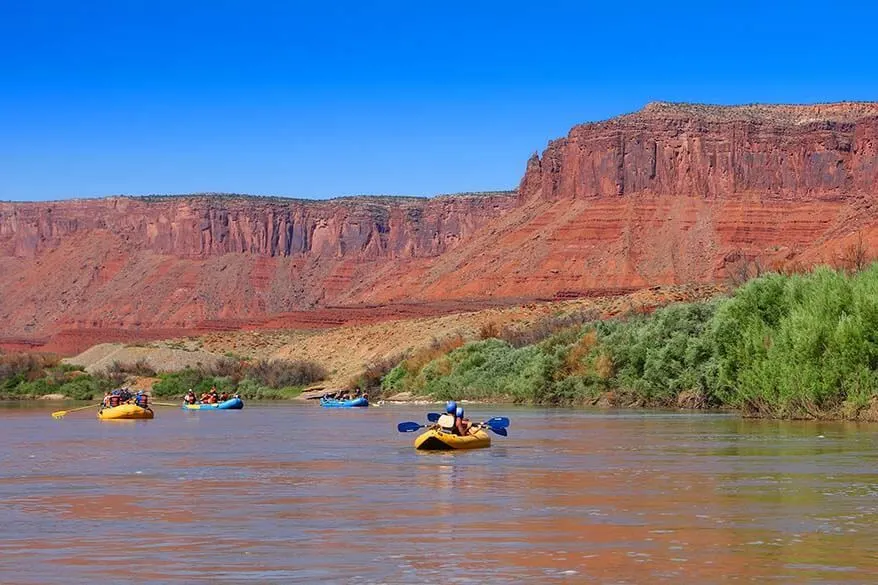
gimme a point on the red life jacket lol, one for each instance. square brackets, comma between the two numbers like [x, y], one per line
[115, 400]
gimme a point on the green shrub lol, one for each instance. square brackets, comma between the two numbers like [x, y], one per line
[799, 347]
[781, 346]
[285, 373]
[84, 388]
[661, 355]
[176, 384]
[250, 389]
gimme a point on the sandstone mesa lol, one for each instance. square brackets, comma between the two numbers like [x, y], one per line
[671, 194]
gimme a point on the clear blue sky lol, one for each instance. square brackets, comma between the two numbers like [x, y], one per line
[322, 99]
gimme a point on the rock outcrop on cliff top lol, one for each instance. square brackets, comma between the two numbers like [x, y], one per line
[673, 193]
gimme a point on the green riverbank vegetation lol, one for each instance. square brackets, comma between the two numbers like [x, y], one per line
[780, 346]
[261, 380]
[31, 375]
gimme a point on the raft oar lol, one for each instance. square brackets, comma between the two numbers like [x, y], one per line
[164, 404]
[61, 413]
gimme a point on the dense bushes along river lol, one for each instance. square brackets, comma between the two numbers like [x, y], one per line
[27, 376]
[802, 346]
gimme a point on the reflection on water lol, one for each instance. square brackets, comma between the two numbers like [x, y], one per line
[298, 494]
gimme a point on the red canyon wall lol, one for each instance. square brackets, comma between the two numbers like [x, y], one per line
[673, 193]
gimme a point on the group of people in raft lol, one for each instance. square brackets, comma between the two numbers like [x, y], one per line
[209, 397]
[121, 396]
[346, 395]
[453, 420]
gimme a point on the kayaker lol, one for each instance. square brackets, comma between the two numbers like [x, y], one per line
[448, 421]
[462, 425]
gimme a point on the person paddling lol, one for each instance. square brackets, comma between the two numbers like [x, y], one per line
[141, 400]
[462, 425]
[448, 421]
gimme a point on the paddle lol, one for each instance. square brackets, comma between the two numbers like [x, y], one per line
[164, 404]
[61, 413]
[499, 430]
[408, 427]
[497, 422]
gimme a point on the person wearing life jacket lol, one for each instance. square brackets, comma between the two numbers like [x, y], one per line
[224, 396]
[205, 396]
[461, 425]
[213, 397]
[141, 399]
[448, 422]
[114, 399]
[190, 397]
[123, 394]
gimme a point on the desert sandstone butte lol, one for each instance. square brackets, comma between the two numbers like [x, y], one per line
[674, 193]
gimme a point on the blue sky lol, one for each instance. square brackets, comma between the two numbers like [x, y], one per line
[406, 98]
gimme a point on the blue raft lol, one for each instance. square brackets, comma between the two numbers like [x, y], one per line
[335, 403]
[230, 404]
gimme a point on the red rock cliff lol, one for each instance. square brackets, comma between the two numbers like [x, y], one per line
[803, 153]
[189, 262]
[201, 226]
[673, 193]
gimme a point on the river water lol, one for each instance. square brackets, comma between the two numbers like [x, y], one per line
[292, 493]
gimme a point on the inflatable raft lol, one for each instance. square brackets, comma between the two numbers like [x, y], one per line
[353, 403]
[230, 404]
[125, 412]
[437, 440]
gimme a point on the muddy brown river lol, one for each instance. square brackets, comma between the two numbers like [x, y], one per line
[292, 493]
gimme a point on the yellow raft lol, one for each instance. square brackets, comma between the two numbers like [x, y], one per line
[436, 440]
[125, 412]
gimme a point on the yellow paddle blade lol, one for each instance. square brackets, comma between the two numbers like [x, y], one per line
[59, 414]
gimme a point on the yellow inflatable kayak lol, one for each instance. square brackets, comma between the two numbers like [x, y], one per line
[125, 412]
[436, 440]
